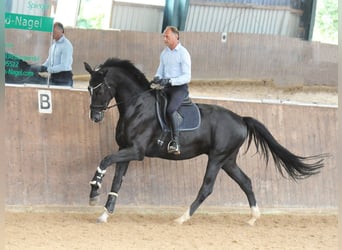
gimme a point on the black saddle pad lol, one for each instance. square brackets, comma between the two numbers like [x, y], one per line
[188, 110]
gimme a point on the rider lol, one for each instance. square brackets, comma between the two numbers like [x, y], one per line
[173, 75]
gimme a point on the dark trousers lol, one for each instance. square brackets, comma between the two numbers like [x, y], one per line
[63, 78]
[175, 96]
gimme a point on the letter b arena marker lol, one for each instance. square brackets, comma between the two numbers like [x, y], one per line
[44, 101]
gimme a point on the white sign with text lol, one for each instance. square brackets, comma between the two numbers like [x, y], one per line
[44, 101]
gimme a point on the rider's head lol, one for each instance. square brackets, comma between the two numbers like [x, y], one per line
[58, 31]
[171, 36]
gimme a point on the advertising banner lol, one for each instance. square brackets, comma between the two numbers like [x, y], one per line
[28, 27]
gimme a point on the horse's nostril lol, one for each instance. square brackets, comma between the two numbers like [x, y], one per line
[96, 116]
[96, 119]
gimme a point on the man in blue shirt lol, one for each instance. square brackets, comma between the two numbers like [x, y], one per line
[59, 61]
[173, 75]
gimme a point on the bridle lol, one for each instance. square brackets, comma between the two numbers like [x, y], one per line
[100, 107]
[105, 107]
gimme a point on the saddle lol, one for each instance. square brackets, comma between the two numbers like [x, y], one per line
[188, 110]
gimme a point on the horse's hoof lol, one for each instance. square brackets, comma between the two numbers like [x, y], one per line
[185, 217]
[179, 221]
[255, 215]
[94, 201]
[100, 221]
[103, 218]
[251, 222]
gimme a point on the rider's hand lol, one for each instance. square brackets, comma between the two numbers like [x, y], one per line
[43, 69]
[156, 86]
[155, 79]
[165, 83]
[155, 83]
[159, 84]
[36, 68]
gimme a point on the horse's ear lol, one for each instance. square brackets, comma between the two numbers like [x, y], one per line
[88, 68]
[104, 72]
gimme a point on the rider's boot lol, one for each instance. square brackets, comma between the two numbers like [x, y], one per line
[173, 146]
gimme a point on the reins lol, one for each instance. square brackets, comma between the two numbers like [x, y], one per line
[116, 104]
[134, 97]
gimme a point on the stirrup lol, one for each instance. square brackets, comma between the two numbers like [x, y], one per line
[173, 147]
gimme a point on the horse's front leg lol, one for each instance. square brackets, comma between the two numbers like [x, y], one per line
[122, 158]
[95, 184]
[123, 155]
[120, 171]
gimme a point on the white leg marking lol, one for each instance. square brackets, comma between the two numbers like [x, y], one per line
[95, 182]
[184, 217]
[255, 215]
[103, 218]
[114, 194]
[100, 170]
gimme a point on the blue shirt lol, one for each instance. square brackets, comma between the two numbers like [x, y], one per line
[60, 56]
[175, 65]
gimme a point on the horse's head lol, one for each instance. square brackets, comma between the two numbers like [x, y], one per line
[100, 92]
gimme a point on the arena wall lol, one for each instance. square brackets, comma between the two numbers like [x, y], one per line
[52, 157]
[283, 60]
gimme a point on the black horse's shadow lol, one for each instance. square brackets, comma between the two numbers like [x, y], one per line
[220, 136]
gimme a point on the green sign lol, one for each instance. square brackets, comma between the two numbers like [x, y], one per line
[28, 22]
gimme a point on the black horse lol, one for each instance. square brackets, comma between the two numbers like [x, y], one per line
[220, 136]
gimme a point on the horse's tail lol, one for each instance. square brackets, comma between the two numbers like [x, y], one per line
[297, 167]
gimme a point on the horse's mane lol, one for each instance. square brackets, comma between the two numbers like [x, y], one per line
[128, 66]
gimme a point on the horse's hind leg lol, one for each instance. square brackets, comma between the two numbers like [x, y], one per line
[120, 171]
[205, 190]
[233, 170]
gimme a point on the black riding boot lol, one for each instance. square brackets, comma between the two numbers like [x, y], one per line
[173, 146]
